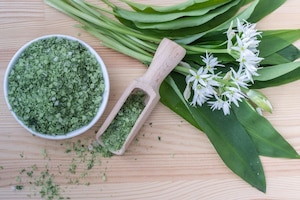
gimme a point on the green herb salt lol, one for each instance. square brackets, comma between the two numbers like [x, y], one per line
[115, 135]
[19, 187]
[55, 86]
[48, 188]
[43, 182]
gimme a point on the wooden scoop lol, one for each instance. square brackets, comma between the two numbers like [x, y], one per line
[166, 58]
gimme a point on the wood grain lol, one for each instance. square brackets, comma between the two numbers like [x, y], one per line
[169, 159]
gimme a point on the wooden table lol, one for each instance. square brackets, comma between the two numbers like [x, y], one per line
[169, 159]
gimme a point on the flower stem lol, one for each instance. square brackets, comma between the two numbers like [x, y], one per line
[182, 70]
[74, 9]
[197, 49]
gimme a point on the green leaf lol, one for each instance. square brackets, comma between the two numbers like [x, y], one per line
[156, 18]
[245, 14]
[191, 34]
[228, 136]
[178, 104]
[278, 40]
[287, 78]
[263, 8]
[185, 22]
[267, 140]
[274, 59]
[272, 72]
[286, 55]
[291, 53]
[187, 5]
[234, 146]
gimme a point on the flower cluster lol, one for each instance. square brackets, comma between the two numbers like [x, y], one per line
[220, 90]
[243, 44]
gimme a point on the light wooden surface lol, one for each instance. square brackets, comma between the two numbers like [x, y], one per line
[169, 160]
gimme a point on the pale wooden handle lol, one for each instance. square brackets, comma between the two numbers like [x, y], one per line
[166, 58]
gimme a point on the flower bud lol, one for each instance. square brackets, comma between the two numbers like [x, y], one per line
[228, 76]
[259, 100]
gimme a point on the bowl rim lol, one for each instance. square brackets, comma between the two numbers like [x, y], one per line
[105, 95]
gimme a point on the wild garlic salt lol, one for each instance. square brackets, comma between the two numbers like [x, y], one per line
[56, 86]
[115, 135]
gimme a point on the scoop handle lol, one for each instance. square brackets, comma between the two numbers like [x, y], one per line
[166, 58]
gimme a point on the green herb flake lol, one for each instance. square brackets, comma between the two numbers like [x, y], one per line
[22, 171]
[86, 153]
[117, 132]
[44, 153]
[49, 189]
[73, 167]
[104, 177]
[68, 150]
[29, 173]
[34, 167]
[1, 167]
[56, 86]
[18, 179]
[101, 150]
[90, 164]
[19, 187]
[84, 174]
[136, 140]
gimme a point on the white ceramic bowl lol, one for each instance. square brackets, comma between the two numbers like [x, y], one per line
[102, 106]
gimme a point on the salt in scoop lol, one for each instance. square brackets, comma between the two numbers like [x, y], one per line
[166, 58]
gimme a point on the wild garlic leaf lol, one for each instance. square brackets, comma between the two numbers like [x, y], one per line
[267, 140]
[186, 22]
[263, 8]
[244, 14]
[273, 72]
[155, 18]
[284, 79]
[278, 39]
[187, 5]
[285, 55]
[228, 136]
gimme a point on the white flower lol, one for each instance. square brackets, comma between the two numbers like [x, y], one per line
[252, 44]
[210, 62]
[201, 95]
[233, 95]
[198, 77]
[250, 62]
[241, 47]
[205, 85]
[245, 50]
[202, 84]
[187, 92]
[220, 104]
[239, 78]
[247, 30]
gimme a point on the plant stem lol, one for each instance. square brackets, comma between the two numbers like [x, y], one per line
[70, 10]
[197, 49]
[182, 70]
